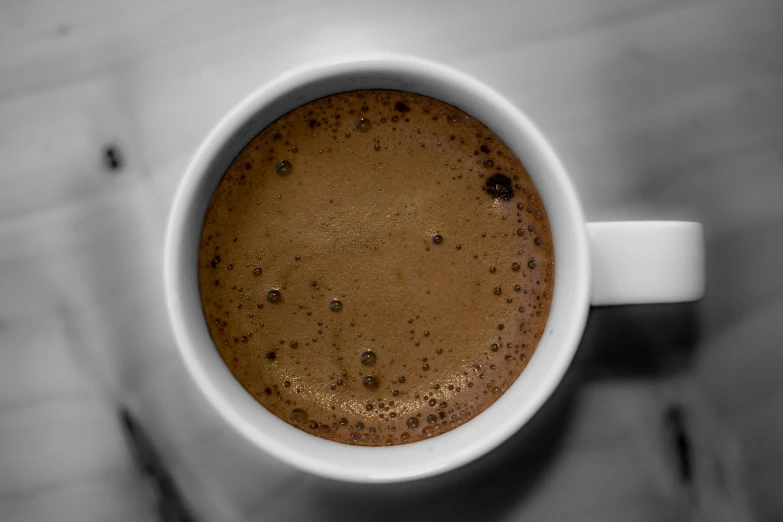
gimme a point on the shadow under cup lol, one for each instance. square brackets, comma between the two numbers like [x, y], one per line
[388, 463]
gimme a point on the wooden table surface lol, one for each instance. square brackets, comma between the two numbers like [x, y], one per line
[660, 109]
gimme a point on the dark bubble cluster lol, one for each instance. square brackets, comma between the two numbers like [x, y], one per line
[499, 185]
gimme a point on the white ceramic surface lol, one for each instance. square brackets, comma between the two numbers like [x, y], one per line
[636, 262]
[622, 246]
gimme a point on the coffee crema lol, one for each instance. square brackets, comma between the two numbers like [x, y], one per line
[376, 267]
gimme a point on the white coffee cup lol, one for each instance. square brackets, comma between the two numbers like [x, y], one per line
[597, 264]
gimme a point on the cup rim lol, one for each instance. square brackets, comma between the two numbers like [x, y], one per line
[355, 463]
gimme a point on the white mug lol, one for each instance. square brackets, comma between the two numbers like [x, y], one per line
[597, 264]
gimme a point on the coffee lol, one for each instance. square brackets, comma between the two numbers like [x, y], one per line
[376, 267]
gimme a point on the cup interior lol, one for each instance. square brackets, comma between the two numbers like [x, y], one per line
[418, 459]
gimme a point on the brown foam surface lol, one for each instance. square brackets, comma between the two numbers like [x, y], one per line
[373, 180]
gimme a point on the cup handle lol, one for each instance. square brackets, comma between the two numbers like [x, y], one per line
[642, 262]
